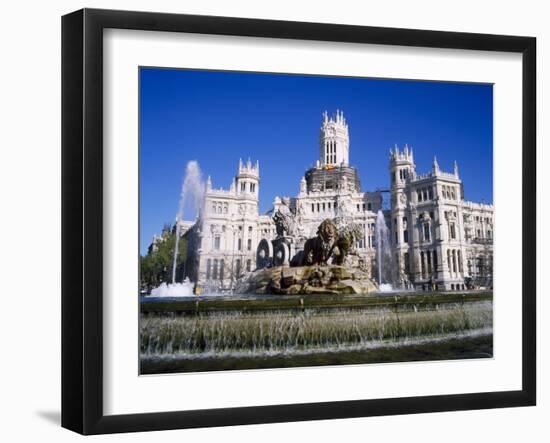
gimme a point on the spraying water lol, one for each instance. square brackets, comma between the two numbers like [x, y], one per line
[192, 190]
[383, 252]
[183, 289]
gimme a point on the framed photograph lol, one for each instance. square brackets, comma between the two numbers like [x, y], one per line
[269, 221]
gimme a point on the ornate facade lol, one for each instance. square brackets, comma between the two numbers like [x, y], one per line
[222, 244]
[438, 240]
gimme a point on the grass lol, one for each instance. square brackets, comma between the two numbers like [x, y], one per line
[294, 330]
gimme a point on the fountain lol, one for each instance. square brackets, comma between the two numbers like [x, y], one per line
[327, 265]
[183, 289]
[192, 191]
[383, 251]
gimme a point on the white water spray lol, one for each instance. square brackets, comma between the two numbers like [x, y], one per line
[383, 251]
[192, 190]
[183, 289]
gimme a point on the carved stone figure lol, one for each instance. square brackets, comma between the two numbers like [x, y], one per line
[284, 218]
[317, 250]
[347, 237]
[284, 223]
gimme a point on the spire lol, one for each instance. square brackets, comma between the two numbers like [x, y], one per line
[208, 184]
[435, 166]
[406, 150]
[456, 169]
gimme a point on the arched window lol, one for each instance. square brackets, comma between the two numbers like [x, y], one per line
[222, 265]
[453, 231]
[238, 267]
[215, 270]
[208, 266]
[426, 232]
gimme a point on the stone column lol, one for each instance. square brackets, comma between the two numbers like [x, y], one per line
[417, 266]
[424, 258]
[447, 264]
[455, 264]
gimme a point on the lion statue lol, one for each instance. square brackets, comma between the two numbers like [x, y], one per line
[348, 236]
[318, 250]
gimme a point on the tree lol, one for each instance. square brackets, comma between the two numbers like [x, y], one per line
[156, 265]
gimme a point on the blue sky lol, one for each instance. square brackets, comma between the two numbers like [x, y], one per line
[218, 117]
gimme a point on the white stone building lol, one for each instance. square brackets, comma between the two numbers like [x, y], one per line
[222, 245]
[438, 239]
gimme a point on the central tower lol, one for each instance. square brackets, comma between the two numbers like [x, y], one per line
[334, 140]
[332, 173]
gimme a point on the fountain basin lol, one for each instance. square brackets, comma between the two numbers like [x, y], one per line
[305, 280]
[267, 302]
[306, 337]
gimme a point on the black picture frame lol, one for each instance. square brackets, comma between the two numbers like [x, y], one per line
[82, 218]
